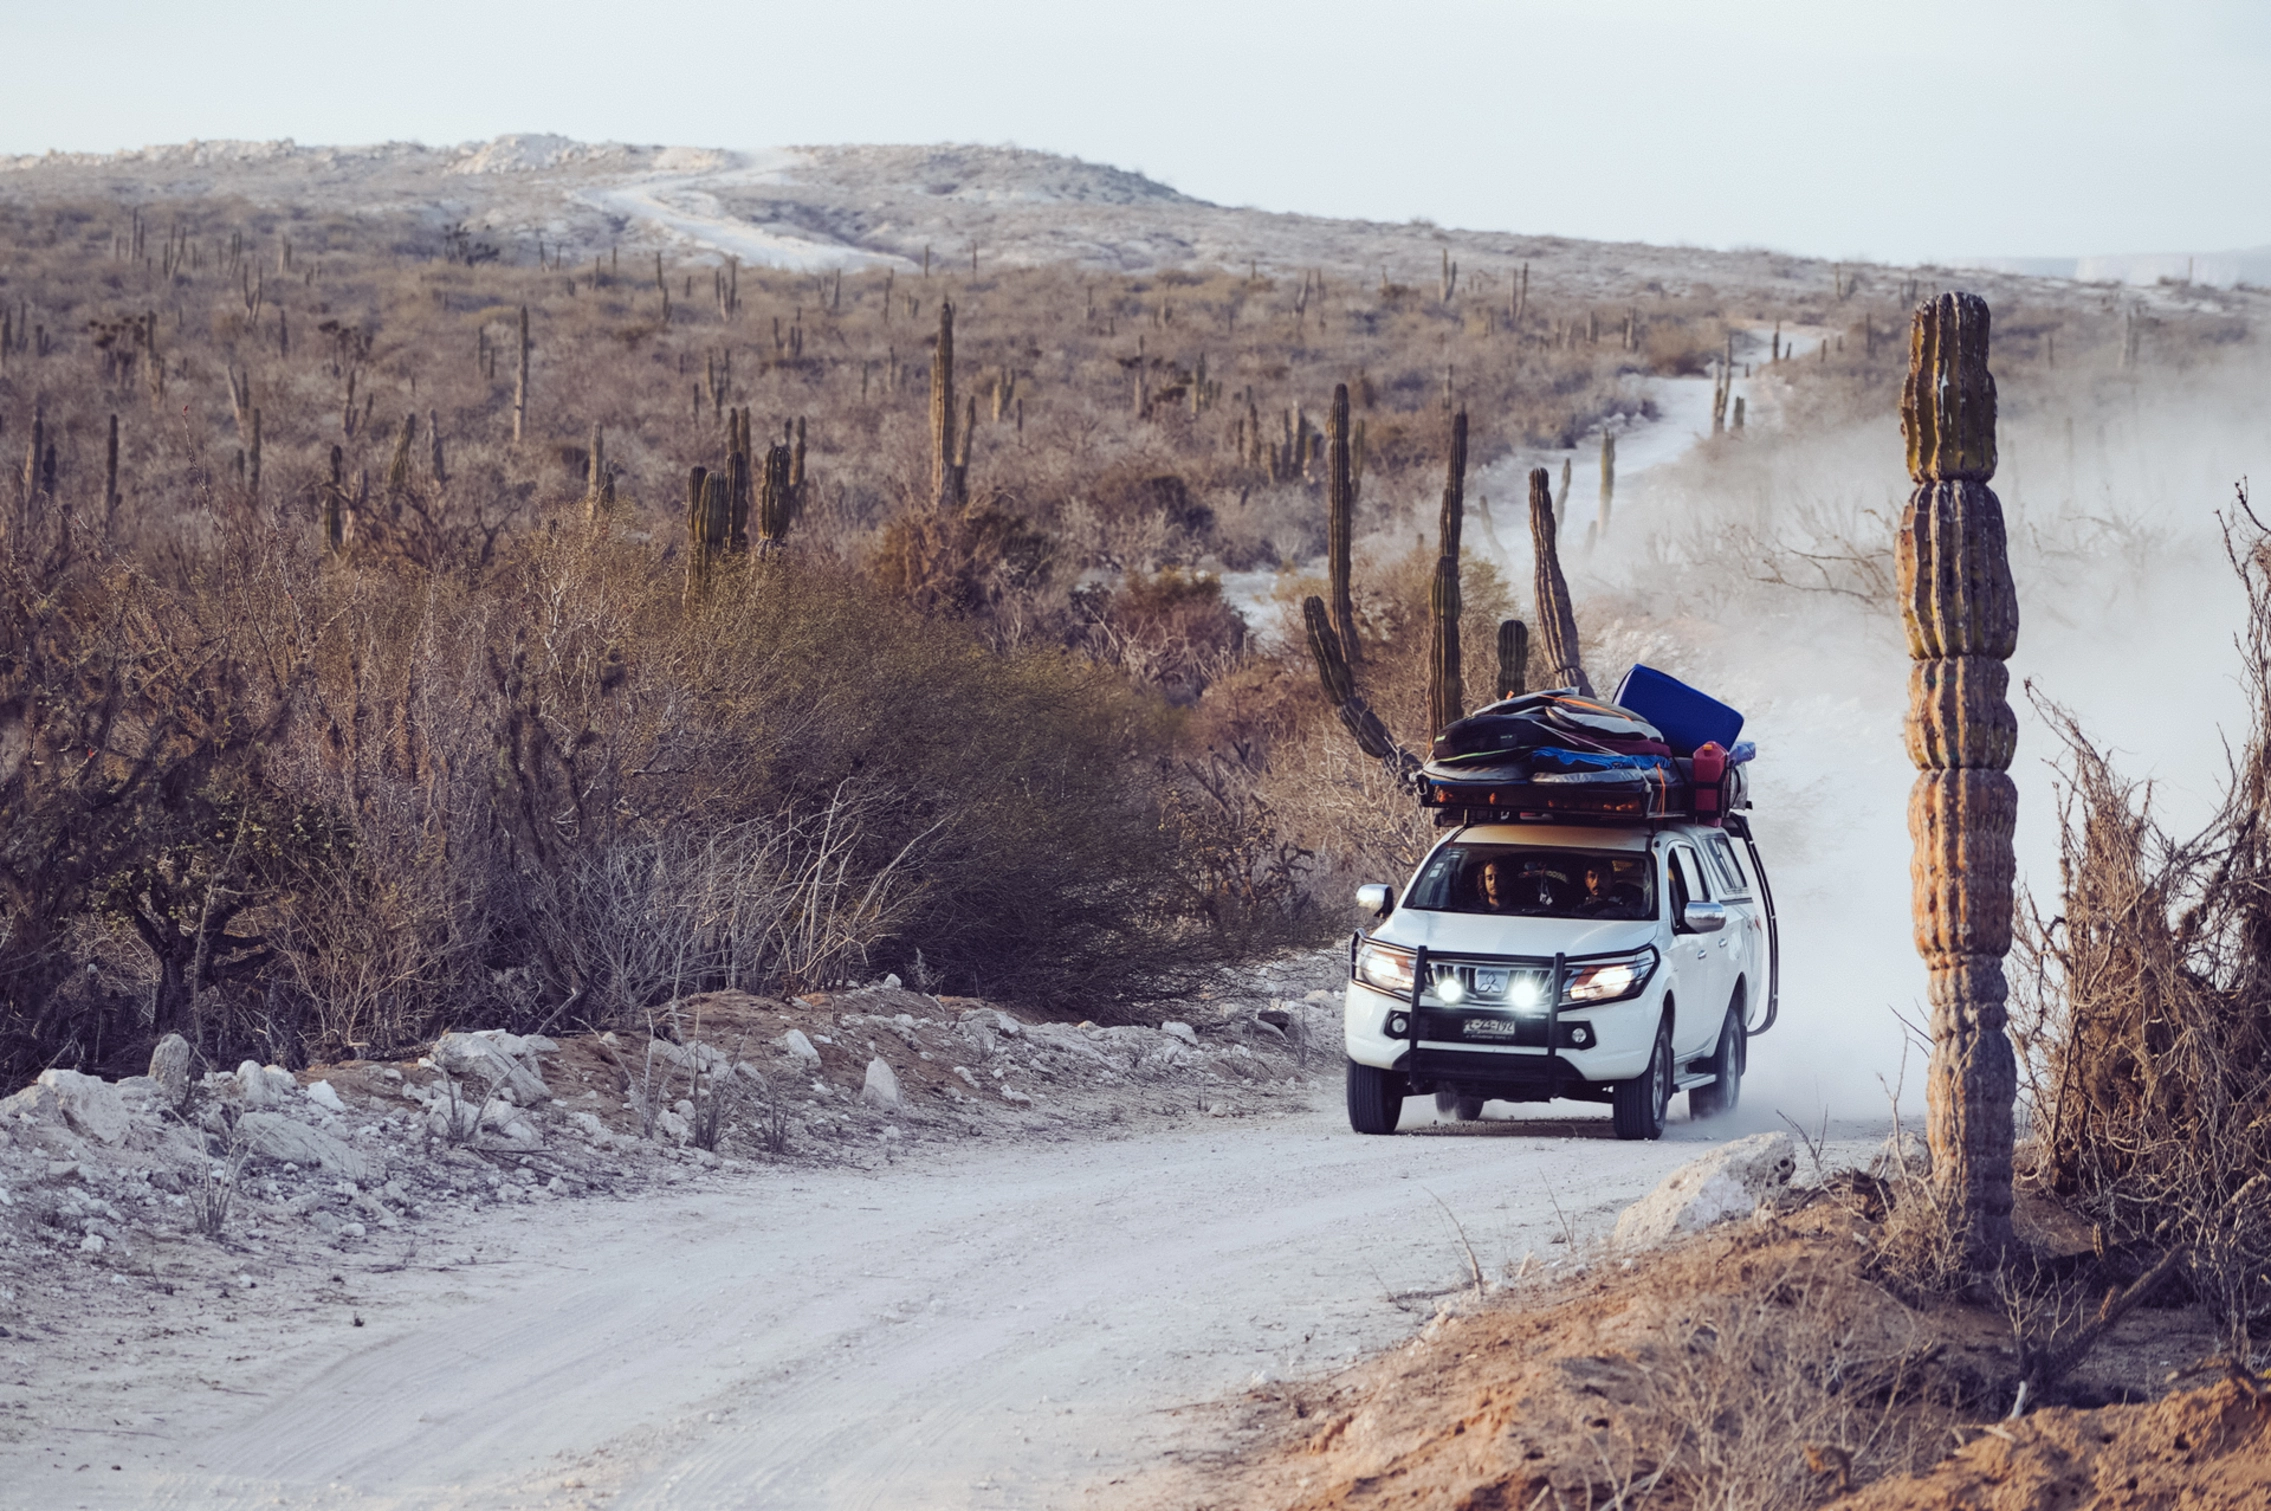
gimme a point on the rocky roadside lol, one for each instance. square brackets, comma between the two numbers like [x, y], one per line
[116, 1194]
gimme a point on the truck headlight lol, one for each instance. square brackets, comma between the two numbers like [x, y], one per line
[1385, 967]
[1609, 980]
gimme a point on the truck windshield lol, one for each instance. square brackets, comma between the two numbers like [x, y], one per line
[1527, 882]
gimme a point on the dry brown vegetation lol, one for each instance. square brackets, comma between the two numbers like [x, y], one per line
[334, 712]
[479, 759]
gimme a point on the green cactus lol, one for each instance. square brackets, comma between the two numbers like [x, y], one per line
[947, 480]
[335, 504]
[1340, 508]
[398, 466]
[1513, 658]
[520, 380]
[1339, 682]
[776, 499]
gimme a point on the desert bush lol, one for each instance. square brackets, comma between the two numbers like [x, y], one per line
[2145, 1000]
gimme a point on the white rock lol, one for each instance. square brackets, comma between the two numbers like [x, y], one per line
[598, 1131]
[694, 1054]
[1908, 1157]
[1010, 1028]
[519, 1133]
[967, 1079]
[91, 1244]
[36, 1104]
[351, 1230]
[487, 1056]
[271, 1135]
[92, 1107]
[1183, 1031]
[453, 1120]
[252, 1086]
[1012, 1094]
[324, 1095]
[1728, 1182]
[674, 1127]
[281, 1082]
[881, 1089]
[891, 982]
[169, 1067]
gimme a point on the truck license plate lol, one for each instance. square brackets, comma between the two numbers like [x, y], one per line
[1492, 1028]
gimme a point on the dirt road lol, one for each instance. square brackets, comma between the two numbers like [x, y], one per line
[1006, 1326]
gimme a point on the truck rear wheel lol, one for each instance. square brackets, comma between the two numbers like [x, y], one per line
[1375, 1098]
[1722, 1094]
[1639, 1104]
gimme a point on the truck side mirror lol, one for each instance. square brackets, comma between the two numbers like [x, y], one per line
[1375, 899]
[1704, 918]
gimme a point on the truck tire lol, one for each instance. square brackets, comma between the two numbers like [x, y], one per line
[1640, 1103]
[1451, 1104]
[1724, 1093]
[1375, 1098]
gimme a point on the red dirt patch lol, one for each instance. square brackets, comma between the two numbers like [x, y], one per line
[2203, 1450]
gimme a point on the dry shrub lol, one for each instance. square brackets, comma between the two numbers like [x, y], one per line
[1763, 1401]
[1171, 630]
[2144, 1003]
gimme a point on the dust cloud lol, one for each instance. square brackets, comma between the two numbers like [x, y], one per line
[1760, 569]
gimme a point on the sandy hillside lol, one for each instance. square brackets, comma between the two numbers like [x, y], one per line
[822, 207]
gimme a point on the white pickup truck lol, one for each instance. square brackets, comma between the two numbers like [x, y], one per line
[1526, 961]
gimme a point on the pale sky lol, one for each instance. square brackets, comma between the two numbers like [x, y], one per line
[1924, 129]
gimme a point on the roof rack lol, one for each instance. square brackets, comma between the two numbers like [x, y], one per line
[1664, 795]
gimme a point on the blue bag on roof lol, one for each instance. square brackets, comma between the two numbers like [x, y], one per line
[1688, 719]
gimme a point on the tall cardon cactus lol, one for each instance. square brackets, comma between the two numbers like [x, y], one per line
[1557, 621]
[1340, 512]
[1962, 617]
[1446, 694]
[947, 479]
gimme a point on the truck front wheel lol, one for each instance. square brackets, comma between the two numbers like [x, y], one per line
[1375, 1098]
[1639, 1104]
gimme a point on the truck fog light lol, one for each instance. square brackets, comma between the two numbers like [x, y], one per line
[1580, 1036]
[1398, 1024]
